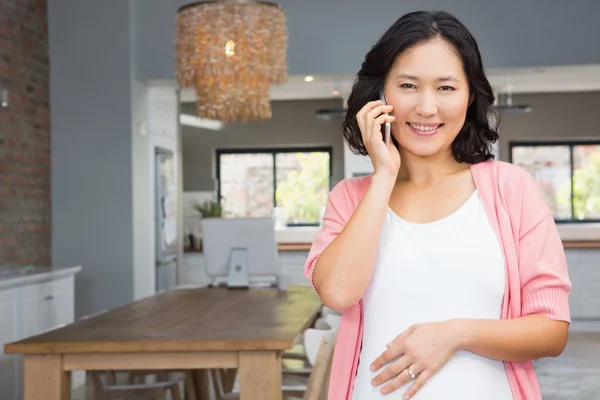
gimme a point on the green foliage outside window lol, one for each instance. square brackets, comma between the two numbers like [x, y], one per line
[304, 192]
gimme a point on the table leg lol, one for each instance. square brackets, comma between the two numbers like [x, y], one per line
[260, 375]
[44, 378]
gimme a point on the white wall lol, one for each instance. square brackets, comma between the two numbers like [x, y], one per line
[355, 164]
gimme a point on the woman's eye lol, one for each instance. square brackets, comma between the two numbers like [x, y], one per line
[407, 86]
[446, 88]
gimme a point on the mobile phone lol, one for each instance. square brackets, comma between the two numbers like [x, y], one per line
[387, 127]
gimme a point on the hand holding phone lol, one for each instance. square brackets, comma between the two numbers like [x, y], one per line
[374, 124]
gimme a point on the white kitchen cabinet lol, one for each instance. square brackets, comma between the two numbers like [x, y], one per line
[32, 302]
[29, 305]
[61, 301]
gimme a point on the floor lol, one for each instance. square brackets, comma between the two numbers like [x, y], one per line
[575, 375]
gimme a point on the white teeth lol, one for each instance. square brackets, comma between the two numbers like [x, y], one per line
[425, 128]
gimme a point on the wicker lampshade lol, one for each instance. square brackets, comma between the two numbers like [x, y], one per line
[230, 52]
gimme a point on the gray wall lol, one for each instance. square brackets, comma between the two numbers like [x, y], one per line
[91, 116]
[332, 36]
[555, 116]
[293, 124]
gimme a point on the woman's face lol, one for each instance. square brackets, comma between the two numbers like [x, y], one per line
[429, 90]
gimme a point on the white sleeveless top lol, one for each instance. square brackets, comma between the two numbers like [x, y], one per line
[450, 268]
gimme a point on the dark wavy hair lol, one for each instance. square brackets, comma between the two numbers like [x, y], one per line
[474, 142]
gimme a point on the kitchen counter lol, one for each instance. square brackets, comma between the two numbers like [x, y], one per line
[581, 244]
[280, 247]
[568, 244]
[10, 277]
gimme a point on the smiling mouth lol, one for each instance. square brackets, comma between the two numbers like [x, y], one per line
[424, 129]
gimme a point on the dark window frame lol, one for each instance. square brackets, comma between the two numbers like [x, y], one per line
[571, 144]
[274, 151]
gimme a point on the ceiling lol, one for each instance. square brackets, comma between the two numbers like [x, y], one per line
[554, 79]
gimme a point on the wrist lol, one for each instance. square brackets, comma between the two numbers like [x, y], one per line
[383, 181]
[464, 332]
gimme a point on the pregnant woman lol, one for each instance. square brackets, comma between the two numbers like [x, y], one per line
[447, 265]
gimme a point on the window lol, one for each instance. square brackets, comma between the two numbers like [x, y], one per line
[291, 184]
[568, 174]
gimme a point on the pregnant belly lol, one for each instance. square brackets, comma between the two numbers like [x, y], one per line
[466, 376]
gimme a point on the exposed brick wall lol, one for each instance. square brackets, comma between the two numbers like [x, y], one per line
[24, 134]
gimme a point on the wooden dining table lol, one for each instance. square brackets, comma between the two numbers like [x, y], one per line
[181, 329]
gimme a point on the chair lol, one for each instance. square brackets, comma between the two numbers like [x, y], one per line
[299, 352]
[108, 388]
[333, 320]
[312, 342]
[313, 388]
[325, 311]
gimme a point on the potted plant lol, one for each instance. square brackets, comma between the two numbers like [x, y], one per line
[207, 209]
[210, 209]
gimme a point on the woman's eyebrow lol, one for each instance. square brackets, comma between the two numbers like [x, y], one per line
[414, 78]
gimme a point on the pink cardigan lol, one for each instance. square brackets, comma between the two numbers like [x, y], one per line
[536, 268]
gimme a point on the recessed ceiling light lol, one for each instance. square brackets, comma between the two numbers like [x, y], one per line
[308, 78]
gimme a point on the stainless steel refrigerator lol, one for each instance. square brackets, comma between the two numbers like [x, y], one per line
[166, 219]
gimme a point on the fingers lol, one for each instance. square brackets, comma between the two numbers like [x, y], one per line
[368, 107]
[421, 379]
[374, 108]
[362, 114]
[376, 111]
[383, 118]
[394, 369]
[390, 354]
[367, 115]
[403, 335]
[394, 349]
[376, 131]
[403, 378]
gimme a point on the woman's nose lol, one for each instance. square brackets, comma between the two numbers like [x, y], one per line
[426, 105]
